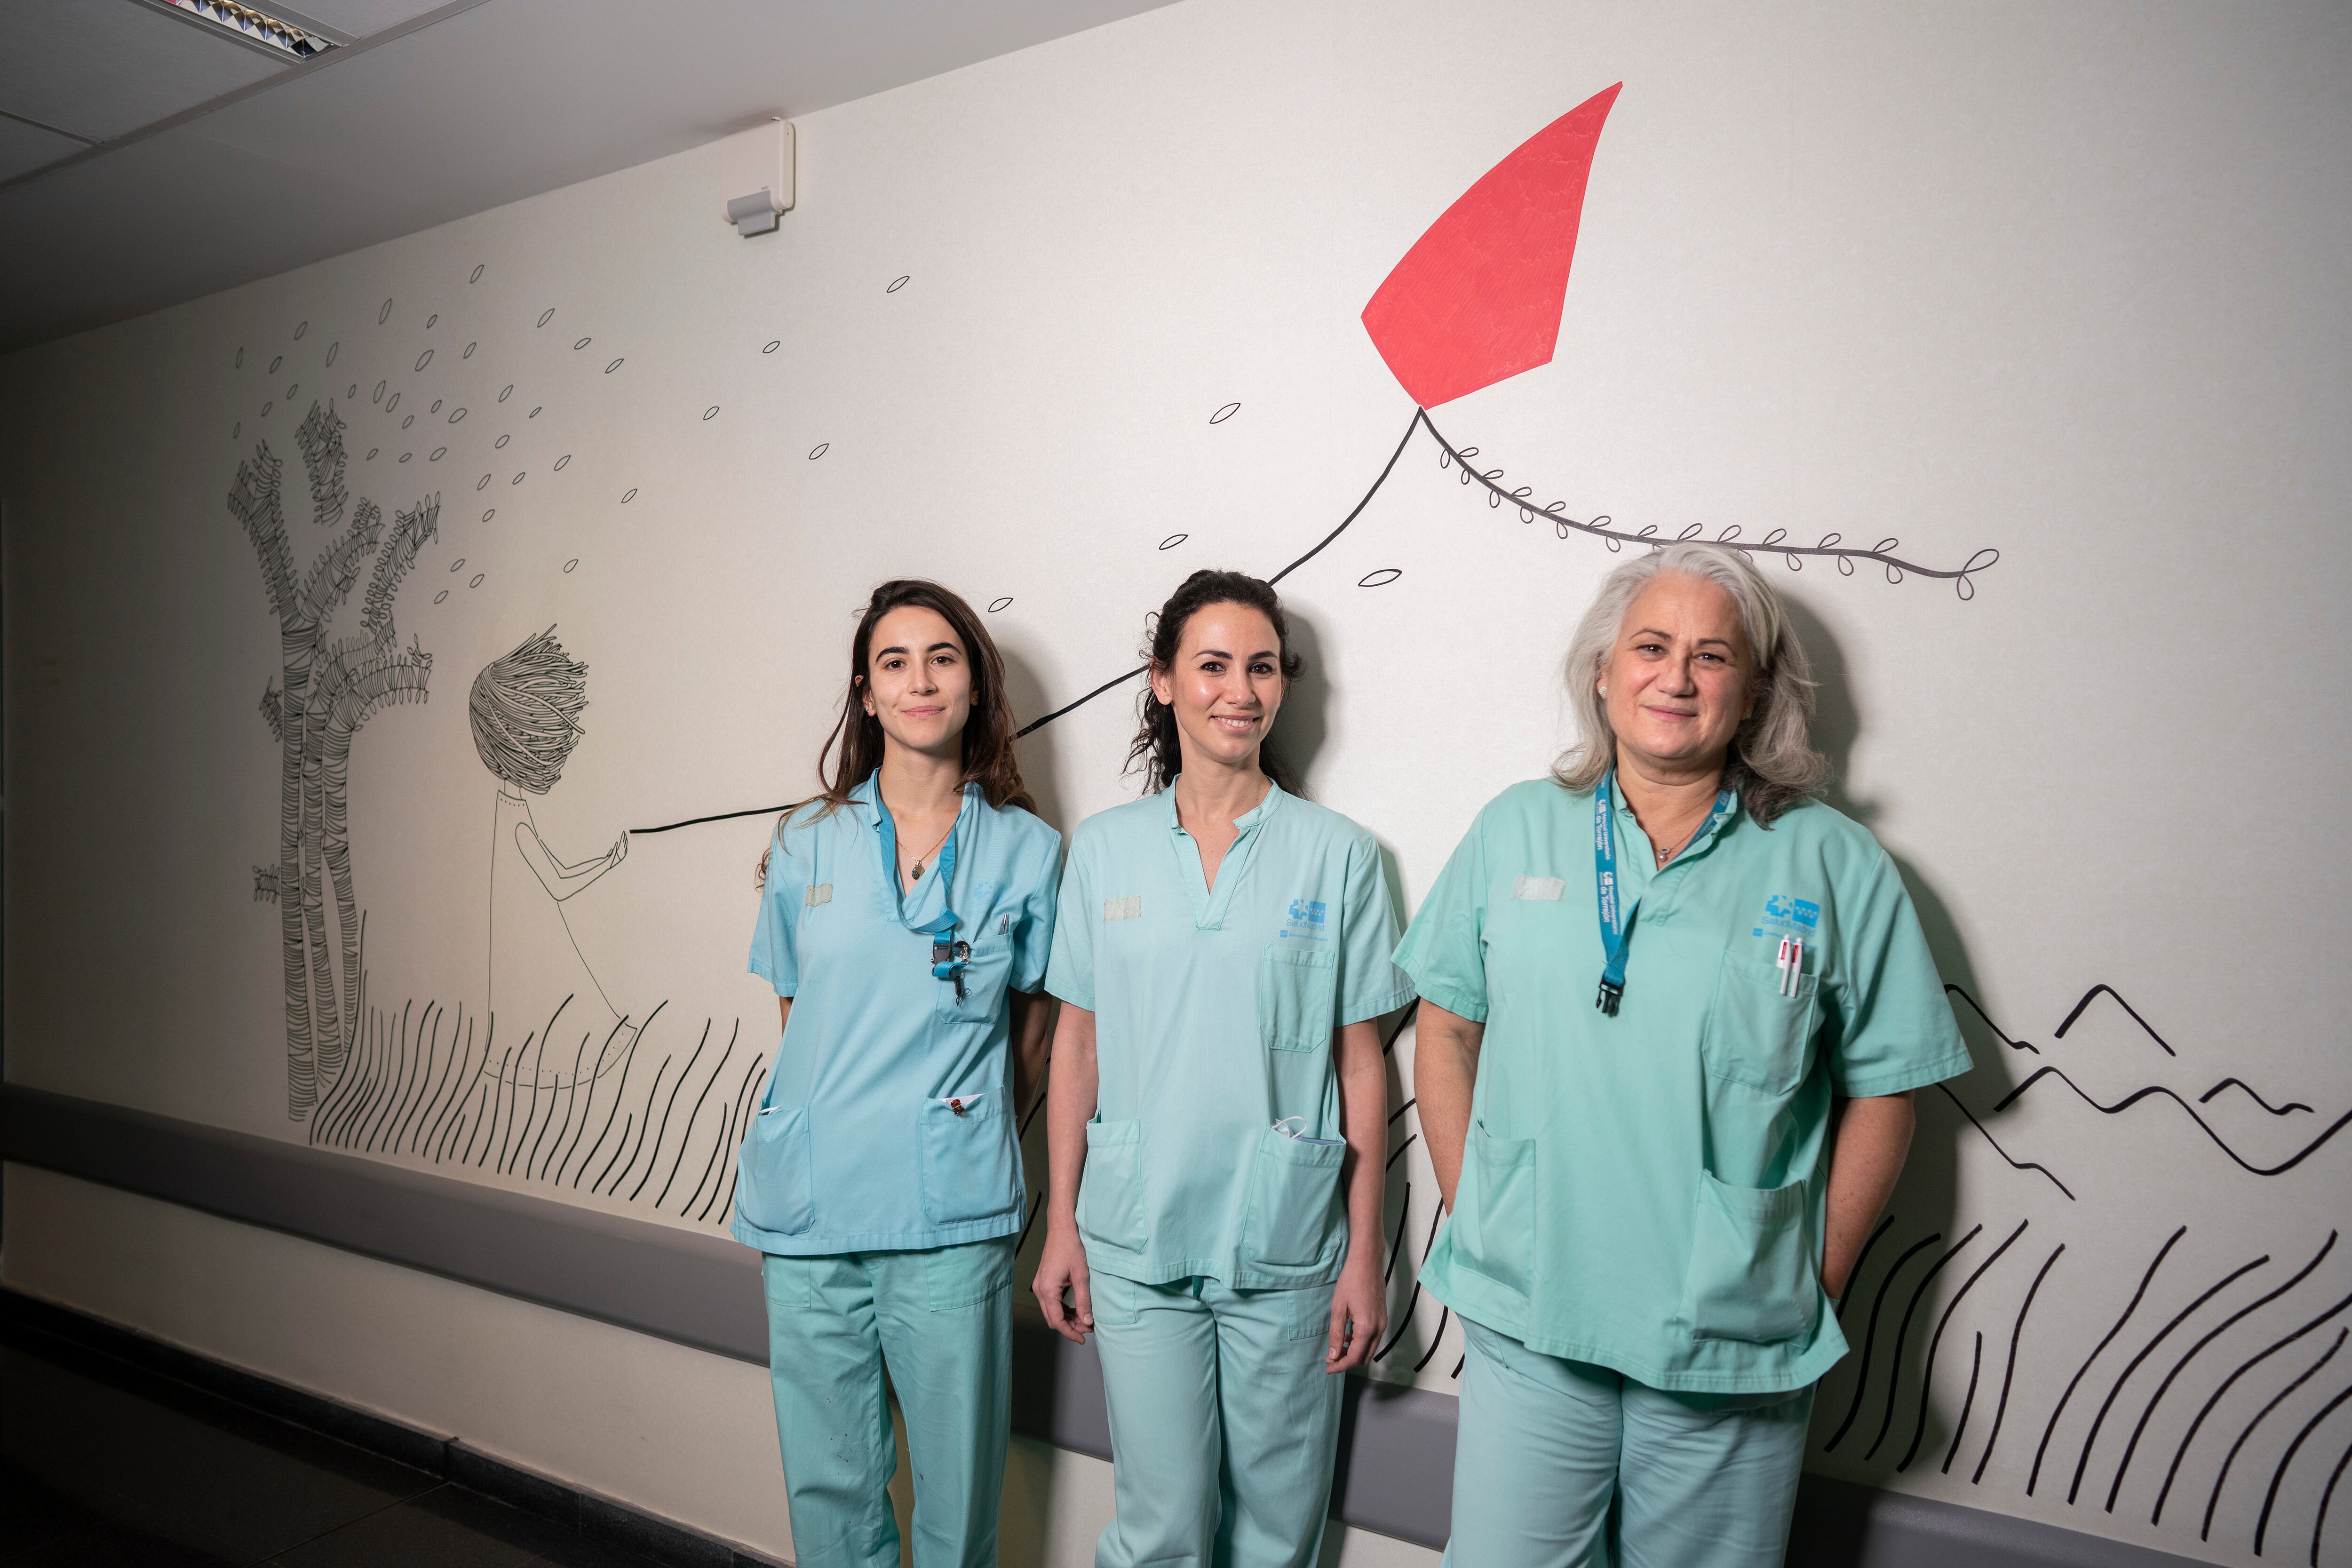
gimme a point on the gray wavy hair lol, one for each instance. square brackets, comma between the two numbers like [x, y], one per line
[1773, 763]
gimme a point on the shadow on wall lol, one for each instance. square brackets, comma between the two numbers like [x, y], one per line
[1928, 1197]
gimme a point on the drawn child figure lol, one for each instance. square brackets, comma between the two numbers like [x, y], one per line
[525, 712]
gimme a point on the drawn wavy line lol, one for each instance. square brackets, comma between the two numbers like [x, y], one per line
[1895, 1375]
[735, 1167]
[1860, 1259]
[1967, 1403]
[1977, 1008]
[1435, 1340]
[1772, 544]
[2109, 990]
[2292, 1105]
[686, 1133]
[653, 1158]
[2326, 1497]
[2215, 1398]
[1869, 1337]
[2017, 1329]
[2262, 1525]
[2223, 1478]
[1397, 1033]
[1401, 1149]
[1928, 1372]
[2158, 1090]
[2034, 1479]
[728, 1140]
[2114, 1389]
[2014, 1163]
[2192, 1353]
[1961, 576]
[1396, 1247]
[1404, 1319]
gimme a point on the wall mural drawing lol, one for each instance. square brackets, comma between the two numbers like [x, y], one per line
[324, 690]
[524, 710]
[2193, 1385]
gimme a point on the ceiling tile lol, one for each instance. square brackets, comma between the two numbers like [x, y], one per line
[100, 68]
[27, 147]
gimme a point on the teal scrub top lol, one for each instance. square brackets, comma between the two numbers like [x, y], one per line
[887, 1121]
[1646, 1192]
[1213, 1017]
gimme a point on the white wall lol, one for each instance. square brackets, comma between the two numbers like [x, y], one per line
[2065, 284]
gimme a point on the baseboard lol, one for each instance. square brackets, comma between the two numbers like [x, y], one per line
[594, 1515]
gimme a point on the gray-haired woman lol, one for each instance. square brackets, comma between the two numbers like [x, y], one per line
[1673, 1012]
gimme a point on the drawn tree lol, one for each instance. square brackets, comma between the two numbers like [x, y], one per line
[326, 687]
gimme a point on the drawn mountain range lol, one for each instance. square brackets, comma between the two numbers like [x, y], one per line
[2250, 1138]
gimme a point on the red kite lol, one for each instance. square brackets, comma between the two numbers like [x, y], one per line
[1478, 297]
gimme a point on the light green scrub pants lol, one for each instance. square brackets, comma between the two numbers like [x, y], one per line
[1546, 1445]
[1223, 1423]
[942, 1320]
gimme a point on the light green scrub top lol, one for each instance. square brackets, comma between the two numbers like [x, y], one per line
[1214, 1018]
[889, 1121]
[1646, 1192]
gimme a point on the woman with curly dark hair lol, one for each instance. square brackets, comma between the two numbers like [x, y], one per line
[1218, 1107]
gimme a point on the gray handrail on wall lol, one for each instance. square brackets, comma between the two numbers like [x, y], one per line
[1396, 1447]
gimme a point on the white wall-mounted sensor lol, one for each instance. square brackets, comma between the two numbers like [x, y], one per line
[760, 157]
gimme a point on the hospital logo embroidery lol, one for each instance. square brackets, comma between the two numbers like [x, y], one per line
[1126, 909]
[1785, 915]
[1305, 922]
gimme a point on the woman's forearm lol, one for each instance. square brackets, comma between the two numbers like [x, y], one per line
[1873, 1136]
[1363, 1122]
[1033, 1023]
[1070, 1086]
[1444, 1077]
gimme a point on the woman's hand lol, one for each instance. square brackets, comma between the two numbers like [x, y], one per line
[1360, 1313]
[1062, 1265]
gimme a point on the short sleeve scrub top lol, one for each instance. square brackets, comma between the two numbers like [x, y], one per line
[1646, 1191]
[881, 1176]
[1211, 1205]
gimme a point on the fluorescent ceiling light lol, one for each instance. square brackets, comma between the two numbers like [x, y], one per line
[254, 26]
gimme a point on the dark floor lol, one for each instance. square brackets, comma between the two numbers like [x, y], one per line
[102, 1462]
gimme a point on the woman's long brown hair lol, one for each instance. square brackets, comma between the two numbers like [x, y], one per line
[854, 751]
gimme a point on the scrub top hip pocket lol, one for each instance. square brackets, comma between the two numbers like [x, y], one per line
[1294, 997]
[773, 1187]
[1293, 1216]
[1751, 1265]
[985, 973]
[1110, 1189]
[1755, 1035]
[1494, 1233]
[971, 1166]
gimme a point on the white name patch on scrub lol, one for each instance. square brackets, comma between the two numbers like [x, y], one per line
[1128, 909]
[1546, 889]
[819, 893]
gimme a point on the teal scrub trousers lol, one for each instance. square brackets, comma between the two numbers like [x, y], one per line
[940, 1320]
[1223, 1424]
[1546, 1445]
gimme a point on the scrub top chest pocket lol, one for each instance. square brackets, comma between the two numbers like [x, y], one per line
[1293, 998]
[1759, 1029]
[985, 972]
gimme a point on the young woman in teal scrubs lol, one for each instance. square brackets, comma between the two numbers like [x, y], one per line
[905, 920]
[1217, 1109]
[1673, 1012]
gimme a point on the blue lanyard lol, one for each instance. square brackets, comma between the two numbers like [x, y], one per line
[1616, 930]
[948, 955]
